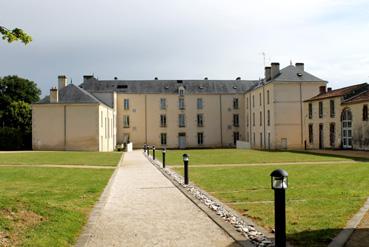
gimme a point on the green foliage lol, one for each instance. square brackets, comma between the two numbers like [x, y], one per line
[16, 95]
[18, 115]
[15, 35]
[11, 139]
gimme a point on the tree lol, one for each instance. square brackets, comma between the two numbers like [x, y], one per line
[18, 115]
[15, 35]
[16, 96]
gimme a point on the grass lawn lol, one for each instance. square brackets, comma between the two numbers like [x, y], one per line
[60, 158]
[41, 206]
[241, 156]
[320, 198]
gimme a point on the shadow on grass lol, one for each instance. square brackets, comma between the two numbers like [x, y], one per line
[359, 159]
[323, 237]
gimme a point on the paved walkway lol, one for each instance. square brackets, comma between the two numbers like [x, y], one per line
[343, 153]
[144, 208]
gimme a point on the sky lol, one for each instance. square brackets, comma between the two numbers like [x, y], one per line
[185, 39]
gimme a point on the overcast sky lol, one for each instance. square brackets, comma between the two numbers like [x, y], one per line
[185, 39]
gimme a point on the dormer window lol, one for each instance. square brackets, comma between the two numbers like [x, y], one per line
[181, 91]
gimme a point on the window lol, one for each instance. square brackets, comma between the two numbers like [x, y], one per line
[200, 120]
[163, 104]
[199, 103]
[126, 104]
[365, 112]
[236, 137]
[200, 138]
[261, 140]
[253, 119]
[102, 119]
[311, 134]
[247, 120]
[163, 138]
[332, 134]
[253, 138]
[163, 120]
[247, 136]
[261, 119]
[181, 91]
[181, 104]
[126, 121]
[259, 98]
[268, 97]
[253, 101]
[236, 122]
[181, 120]
[310, 110]
[320, 109]
[331, 108]
[247, 102]
[235, 103]
[268, 118]
[268, 140]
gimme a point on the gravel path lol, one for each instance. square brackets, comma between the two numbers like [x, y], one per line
[143, 208]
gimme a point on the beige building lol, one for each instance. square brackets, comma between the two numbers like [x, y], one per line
[72, 119]
[266, 113]
[338, 118]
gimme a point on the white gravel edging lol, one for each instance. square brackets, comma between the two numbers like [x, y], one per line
[247, 230]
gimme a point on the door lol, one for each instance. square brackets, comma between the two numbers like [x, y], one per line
[346, 129]
[182, 140]
[321, 136]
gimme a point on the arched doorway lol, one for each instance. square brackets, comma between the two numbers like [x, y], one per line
[346, 119]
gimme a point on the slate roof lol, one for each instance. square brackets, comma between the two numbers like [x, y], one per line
[170, 86]
[293, 74]
[345, 92]
[73, 94]
[362, 97]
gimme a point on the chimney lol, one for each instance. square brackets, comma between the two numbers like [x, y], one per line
[62, 81]
[267, 73]
[322, 90]
[87, 77]
[54, 97]
[274, 70]
[300, 66]
[329, 89]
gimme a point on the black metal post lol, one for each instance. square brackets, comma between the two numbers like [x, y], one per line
[148, 150]
[145, 148]
[164, 151]
[280, 217]
[305, 144]
[185, 163]
[153, 152]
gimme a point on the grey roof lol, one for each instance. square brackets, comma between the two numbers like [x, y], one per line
[293, 74]
[169, 86]
[73, 94]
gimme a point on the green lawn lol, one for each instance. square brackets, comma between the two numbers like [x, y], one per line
[41, 206]
[241, 156]
[60, 158]
[320, 198]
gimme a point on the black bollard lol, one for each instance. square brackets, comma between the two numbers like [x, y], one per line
[164, 151]
[279, 179]
[185, 163]
[145, 148]
[153, 152]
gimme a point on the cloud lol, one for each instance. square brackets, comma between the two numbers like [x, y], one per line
[141, 39]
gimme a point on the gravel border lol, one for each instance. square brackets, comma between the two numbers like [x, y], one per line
[255, 234]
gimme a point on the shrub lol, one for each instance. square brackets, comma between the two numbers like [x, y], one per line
[14, 139]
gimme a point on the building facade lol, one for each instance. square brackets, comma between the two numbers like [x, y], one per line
[338, 118]
[265, 113]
